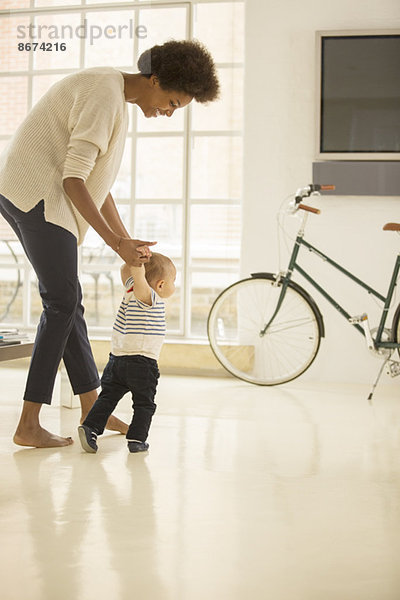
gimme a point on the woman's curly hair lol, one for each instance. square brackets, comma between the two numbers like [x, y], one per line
[183, 66]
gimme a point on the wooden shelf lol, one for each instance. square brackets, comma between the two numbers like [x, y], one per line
[14, 351]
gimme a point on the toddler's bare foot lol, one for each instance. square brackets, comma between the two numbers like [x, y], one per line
[39, 438]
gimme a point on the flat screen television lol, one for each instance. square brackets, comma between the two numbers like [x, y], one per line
[358, 95]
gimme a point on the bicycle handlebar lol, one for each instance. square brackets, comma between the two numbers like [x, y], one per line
[309, 208]
[310, 189]
[305, 192]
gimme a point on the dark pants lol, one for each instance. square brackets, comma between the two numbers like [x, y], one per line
[61, 333]
[136, 374]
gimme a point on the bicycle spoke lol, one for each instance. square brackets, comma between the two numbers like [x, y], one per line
[289, 325]
[285, 350]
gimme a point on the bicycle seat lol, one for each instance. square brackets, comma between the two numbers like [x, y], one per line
[391, 227]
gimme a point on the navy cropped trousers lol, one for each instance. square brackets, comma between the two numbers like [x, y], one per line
[62, 332]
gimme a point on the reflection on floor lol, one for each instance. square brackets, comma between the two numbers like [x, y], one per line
[286, 493]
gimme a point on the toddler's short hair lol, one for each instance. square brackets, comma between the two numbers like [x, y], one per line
[157, 267]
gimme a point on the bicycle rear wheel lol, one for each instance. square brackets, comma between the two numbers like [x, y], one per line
[288, 347]
[395, 334]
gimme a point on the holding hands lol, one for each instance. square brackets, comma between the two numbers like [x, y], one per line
[134, 252]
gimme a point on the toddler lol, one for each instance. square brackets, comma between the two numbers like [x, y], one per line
[137, 337]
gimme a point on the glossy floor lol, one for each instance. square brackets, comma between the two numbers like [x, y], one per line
[287, 493]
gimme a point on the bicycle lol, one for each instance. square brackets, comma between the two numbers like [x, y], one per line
[266, 329]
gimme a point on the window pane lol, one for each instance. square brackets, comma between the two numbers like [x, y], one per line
[225, 38]
[19, 4]
[160, 223]
[56, 29]
[41, 83]
[3, 144]
[160, 124]
[159, 166]
[94, 249]
[227, 112]
[102, 293]
[130, 113]
[163, 223]
[216, 167]
[10, 247]
[100, 277]
[55, 2]
[205, 288]
[11, 278]
[161, 24]
[215, 233]
[10, 295]
[14, 104]
[14, 30]
[173, 308]
[109, 38]
[122, 185]
[97, 1]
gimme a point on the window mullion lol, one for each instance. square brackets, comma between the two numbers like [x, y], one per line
[186, 243]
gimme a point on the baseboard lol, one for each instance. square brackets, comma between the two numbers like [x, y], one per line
[177, 358]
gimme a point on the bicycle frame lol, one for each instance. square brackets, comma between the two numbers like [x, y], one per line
[294, 266]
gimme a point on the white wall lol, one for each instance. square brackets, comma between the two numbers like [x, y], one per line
[279, 148]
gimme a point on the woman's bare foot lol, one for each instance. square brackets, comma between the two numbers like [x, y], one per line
[39, 438]
[113, 423]
[30, 433]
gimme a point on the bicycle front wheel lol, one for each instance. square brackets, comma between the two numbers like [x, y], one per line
[289, 345]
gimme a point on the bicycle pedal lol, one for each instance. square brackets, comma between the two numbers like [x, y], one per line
[358, 318]
[394, 369]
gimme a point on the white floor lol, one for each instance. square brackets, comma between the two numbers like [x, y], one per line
[287, 493]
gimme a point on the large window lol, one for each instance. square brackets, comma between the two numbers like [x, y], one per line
[180, 178]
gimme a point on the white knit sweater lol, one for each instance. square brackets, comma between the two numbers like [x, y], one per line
[77, 129]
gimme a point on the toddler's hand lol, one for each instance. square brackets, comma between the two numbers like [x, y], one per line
[144, 253]
[135, 252]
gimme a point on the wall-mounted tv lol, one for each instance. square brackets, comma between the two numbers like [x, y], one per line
[358, 95]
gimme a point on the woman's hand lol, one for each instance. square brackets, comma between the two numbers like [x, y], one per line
[134, 252]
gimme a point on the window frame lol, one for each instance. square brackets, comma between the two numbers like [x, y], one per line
[188, 134]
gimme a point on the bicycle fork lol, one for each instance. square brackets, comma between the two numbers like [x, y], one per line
[279, 304]
[286, 277]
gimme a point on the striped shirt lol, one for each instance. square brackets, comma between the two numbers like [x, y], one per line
[138, 327]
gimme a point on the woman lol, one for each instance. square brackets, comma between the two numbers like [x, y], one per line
[55, 180]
